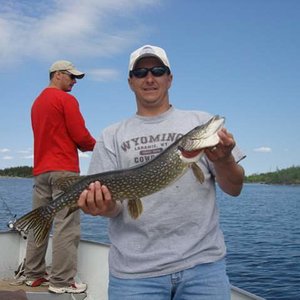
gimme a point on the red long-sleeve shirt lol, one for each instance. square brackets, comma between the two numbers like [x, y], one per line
[59, 130]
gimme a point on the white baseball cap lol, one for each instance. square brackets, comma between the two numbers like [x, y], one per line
[148, 51]
[64, 65]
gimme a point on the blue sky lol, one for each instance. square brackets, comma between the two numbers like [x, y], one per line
[236, 58]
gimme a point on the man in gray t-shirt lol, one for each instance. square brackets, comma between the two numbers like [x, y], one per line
[175, 249]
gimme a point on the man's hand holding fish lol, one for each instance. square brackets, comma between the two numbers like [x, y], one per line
[224, 163]
[97, 201]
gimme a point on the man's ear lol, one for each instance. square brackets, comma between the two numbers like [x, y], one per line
[170, 80]
[130, 83]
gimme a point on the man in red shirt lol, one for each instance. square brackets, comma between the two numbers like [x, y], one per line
[59, 131]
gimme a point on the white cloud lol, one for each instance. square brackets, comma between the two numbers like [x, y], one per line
[18, 155]
[27, 151]
[7, 157]
[263, 149]
[103, 74]
[4, 150]
[51, 29]
[28, 156]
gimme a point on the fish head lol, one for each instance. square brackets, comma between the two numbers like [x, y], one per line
[192, 144]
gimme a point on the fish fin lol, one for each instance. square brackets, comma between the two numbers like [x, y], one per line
[135, 207]
[197, 172]
[39, 220]
[64, 183]
[71, 210]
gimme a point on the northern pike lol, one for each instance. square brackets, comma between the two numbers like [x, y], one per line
[130, 184]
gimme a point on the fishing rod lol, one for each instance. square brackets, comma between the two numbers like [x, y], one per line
[13, 219]
[10, 223]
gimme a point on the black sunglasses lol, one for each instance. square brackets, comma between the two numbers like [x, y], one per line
[155, 71]
[69, 74]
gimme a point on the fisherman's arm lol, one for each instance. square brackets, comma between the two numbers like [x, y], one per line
[97, 201]
[76, 127]
[229, 174]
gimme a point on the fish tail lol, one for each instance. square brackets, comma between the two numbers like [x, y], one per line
[39, 220]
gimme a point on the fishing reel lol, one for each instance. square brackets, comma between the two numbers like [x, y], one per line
[11, 225]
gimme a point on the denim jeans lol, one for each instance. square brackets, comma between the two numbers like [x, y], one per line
[202, 282]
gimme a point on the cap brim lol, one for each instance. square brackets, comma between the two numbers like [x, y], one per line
[76, 73]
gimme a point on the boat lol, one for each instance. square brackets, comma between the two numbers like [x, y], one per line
[92, 269]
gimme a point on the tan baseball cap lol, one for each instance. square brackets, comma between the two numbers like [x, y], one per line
[64, 65]
[146, 51]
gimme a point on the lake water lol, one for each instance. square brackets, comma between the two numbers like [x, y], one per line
[261, 228]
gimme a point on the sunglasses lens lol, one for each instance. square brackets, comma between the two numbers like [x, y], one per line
[69, 74]
[155, 71]
[158, 71]
[140, 73]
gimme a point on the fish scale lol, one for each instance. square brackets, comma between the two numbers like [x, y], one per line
[130, 184]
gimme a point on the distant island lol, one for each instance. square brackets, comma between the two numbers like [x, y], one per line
[23, 171]
[284, 176]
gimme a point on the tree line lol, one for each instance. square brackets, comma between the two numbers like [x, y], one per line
[284, 176]
[22, 171]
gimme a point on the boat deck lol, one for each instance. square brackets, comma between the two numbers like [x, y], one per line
[9, 284]
[34, 293]
[92, 269]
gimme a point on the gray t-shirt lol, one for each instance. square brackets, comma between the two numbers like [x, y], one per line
[179, 227]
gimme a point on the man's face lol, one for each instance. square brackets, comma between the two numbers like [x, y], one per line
[151, 91]
[66, 80]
